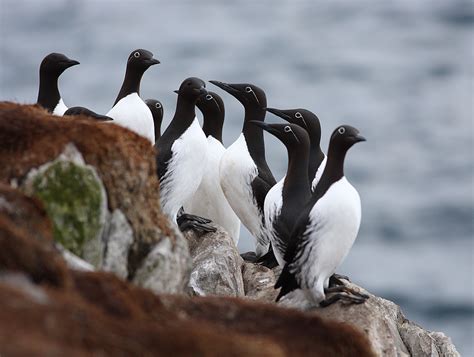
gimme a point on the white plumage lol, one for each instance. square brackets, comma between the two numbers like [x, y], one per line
[237, 171]
[332, 229]
[185, 169]
[272, 209]
[132, 113]
[60, 108]
[209, 200]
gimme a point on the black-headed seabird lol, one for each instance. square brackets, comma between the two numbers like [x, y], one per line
[209, 200]
[156, 108]
[129, 110]
[52, 66]
[244, 173]
[326, 229]
[86, 112]
[296, 191]
[182, 152]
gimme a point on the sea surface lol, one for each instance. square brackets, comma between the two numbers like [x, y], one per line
[400, 71]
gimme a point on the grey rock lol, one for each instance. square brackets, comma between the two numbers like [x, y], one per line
[73, 261]
[167, 266]
[259, 282]
[390, 333]
[118, 239]
[217, 265]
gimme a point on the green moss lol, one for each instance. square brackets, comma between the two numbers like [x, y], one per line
[72, 197]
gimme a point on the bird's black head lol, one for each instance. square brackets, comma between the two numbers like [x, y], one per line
[211, 104]
[156, 108]
[141, 59]
[248, 94]
[292, 135]
[301, 117]
[56, 63]
[344, 137]
[192, 88]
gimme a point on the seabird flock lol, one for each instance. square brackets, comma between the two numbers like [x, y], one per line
[306, 223]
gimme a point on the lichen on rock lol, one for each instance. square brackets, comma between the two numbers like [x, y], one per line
[75, 201]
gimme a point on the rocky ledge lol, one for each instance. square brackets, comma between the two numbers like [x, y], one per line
[88, 263]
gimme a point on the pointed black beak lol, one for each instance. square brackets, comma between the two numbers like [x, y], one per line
[152, 61]
[267, 127]
[359, 138]
[225, 86]
[71, 63]
[176, 91]
[202, 91]
[279, 113]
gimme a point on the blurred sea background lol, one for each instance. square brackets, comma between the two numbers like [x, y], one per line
[400, 71]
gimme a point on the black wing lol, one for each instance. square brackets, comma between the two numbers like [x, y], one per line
[287, 280]
[163, 156]
[260, 189]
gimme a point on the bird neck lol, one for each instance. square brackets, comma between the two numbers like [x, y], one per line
[212, 125]
[333, 171]
[48, 93]
[183, 117]
[296, 187]
[131, 83]
[254, 135]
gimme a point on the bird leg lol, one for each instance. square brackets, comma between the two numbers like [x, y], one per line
[335, 280]
[349, 298]
[189, 221]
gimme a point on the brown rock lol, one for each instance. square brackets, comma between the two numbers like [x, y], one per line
[26, 240]
[124, 161]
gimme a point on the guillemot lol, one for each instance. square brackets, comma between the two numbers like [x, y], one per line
[326, 229]
[295, 191]
[129, 110]
[52, 66]
[317, 160]
[182, 155]
[86, 112]
[244, 173]
[209, 200]
[157, 111]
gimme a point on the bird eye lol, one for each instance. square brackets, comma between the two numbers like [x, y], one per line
[298, 115]
[287, 129]
[158, 105]
[248, 89]
[341, 130]
[188, 84]
[208, 97]
[136, 54]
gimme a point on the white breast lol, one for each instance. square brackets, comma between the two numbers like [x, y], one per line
[319, 173]
[185, 170]
[60, 108]
[237, 171]
[272, 208]
[132, 113]
[209, 200]
[334, 224]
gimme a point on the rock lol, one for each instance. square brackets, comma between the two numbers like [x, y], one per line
[117, 241]
[166, 268]
[259, 282]
[217, 265]
[97, 155]
[26, 243]
[389, 332]
[73, 261]
[75, 200]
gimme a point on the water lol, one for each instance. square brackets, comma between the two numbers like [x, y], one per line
[401, 72]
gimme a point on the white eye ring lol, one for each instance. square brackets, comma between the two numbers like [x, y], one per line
[341, 130]
[158, 105]
[136, 54]
[298, 115]
[208, 97]
[287, 129]
[248, 89]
